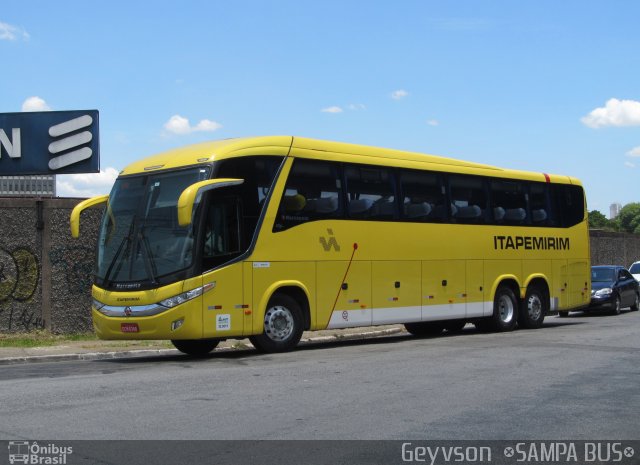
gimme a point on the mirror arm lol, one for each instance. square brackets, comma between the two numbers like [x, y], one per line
[191, 194]
[78, 209]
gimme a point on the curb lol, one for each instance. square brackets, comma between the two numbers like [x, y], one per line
[88, 356]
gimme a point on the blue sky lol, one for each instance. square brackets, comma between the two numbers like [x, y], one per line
[545, 86]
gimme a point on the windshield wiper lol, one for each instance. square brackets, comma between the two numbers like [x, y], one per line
[125, 240]
[147, 257]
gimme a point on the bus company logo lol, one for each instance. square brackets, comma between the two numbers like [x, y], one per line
[329, 243]
[127, 311]
[34, 453]
[530, 243]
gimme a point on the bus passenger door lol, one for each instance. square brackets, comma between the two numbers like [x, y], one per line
[353, 304]
[224, 306]
[443, 289]
[396, 292]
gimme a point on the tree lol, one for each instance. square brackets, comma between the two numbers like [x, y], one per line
[598, 221]
[629, 218]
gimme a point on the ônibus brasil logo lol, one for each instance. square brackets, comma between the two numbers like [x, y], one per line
[33, 453]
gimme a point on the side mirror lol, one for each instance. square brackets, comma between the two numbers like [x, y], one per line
[82, 206]
[192, 194]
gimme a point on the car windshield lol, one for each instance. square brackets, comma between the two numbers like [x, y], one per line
[635, 268]
[140, 239]
[603, 274]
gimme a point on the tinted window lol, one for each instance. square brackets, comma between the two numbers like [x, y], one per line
[423, 196]
[313, 192]
[370, 193]
[539, 204]
[468, 199]
[508, 202]
[569, 204]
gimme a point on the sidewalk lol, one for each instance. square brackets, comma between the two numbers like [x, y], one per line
[97, 350]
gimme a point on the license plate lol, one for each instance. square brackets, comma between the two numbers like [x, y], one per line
[129, 327]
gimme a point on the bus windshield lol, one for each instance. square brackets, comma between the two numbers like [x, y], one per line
[140, 239]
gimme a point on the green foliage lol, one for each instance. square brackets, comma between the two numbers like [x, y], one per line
[598, 221]
[629, 218]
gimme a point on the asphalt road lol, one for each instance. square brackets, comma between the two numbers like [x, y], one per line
[576, 378]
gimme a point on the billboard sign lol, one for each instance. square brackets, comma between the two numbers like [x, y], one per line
[49, 142]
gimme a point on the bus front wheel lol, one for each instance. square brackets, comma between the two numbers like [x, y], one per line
[283, 325]
[196, 347]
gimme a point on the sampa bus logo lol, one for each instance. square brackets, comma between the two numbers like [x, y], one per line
[331, 242]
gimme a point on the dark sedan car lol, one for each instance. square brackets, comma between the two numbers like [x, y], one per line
[613, 287]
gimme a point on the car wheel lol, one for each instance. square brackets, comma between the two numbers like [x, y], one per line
[283, 325]
[616, 305]
[534, 309]
[196, 347]
[424, 328]
[636, 303]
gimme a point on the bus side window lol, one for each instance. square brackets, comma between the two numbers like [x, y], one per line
[468, 199]
[508, 202]
[569, 204]
[422, 196]
[222, 231]
[370, 193]
[538, 204]
[312, 193]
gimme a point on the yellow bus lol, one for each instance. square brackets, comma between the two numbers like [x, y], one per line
[267, 237]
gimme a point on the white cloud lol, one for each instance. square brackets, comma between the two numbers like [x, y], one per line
[614, 113]
[180, 125]
[35, 104]
[9, 32]
[86, 184]
[634, 152]
[433, 122]
[629, 164]
[399, 94]
[332, 110]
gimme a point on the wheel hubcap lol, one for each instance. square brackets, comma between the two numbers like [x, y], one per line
[534, 307]
[278, 323]
[505, 309]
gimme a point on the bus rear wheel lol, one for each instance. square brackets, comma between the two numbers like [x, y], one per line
[283, 325]
[534, 308]
[424, 328]
[505, 310]
[196, 347]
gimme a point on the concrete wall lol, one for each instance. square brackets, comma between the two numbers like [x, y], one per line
[610, 248]
[45, 274]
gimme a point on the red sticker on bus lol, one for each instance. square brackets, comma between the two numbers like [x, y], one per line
[129, 327]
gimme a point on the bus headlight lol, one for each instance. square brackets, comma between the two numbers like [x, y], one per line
[186, 296]
[603, 292]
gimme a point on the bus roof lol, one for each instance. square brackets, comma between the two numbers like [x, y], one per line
[208, 152]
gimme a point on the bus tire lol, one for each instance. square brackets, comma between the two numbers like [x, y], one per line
[196, 347]
[283, 325]
[424, 328]
[505, 310]
[454, 326]
[534, 307]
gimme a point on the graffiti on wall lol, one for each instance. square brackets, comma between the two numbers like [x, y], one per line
[19, 276]
[75, 263]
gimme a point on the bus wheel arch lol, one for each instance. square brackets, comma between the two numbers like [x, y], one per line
[505, 307]
[535, 305]
[285, 317]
